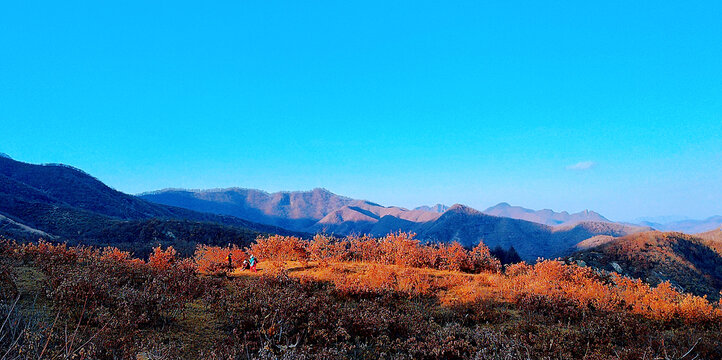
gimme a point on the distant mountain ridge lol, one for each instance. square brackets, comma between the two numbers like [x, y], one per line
[302, 210]
[689, 226]
[365, 217]
[531, 240]
[545, 216]
[66, 203]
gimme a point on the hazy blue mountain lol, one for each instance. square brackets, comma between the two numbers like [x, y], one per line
[688, 226]
[546, 216]
[659, 219]
[439, 208]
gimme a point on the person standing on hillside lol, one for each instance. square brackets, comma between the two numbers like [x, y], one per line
[230, 260]
[252, 261]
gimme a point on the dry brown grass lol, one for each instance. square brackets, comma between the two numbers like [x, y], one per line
[450, 287]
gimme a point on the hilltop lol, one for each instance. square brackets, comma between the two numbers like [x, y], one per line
[689, 262]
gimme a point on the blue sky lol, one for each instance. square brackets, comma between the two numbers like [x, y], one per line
[614, 106]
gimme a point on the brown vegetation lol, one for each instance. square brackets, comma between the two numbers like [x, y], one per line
[688, 262]
[349, 298]
[396, 248]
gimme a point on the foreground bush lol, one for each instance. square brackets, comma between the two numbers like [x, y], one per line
[280, 317]
[111, 292]
[8, 289]
[353, 302]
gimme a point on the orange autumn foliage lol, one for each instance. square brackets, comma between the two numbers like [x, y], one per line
[394, 249]
[281, 248]
[585, 288]
[214, 259]
[390, 265]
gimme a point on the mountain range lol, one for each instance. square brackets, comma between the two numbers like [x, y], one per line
[689, 226]
[60, 202]
[543, 233]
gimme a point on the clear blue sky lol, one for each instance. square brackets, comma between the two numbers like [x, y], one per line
[614, 106]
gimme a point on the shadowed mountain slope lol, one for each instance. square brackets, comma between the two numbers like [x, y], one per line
[68, 204]
[713, 239]
[296, 210]
[531, 240]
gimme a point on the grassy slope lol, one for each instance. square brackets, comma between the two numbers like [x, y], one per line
[514, 330]
[685, 260]
[450, 287]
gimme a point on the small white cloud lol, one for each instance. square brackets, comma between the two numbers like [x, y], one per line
[582, 165]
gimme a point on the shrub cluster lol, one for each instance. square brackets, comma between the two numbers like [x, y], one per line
[213, 260]
[559, 285]
[105, 304]
[280, 317]
[110, 291]
[396, 249]
[277, 317]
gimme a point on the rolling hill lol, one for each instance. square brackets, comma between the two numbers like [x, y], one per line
[712, 239]
[689, 262]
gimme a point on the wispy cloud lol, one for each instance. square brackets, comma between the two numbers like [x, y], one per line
[582, 165]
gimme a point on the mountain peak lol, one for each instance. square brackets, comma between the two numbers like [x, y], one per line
[462, 209]
[322, 190]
